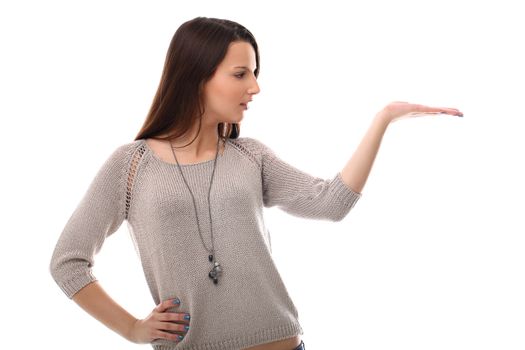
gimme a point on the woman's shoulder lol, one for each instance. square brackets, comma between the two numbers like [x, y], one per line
[130, 147]
[254, 149]
[251, 145]
[123, 152]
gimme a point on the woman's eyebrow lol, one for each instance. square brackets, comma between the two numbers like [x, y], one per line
[242, 67]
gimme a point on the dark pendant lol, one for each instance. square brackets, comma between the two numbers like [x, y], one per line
[215, 273]
[210, 257]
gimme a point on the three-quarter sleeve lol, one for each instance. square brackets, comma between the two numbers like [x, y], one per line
[301, 194]
[100, 213]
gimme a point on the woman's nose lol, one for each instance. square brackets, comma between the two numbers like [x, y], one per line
[254, 89]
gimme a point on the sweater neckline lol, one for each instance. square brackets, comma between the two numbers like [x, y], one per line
[205, 162]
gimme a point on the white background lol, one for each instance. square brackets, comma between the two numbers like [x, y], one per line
[431, 257]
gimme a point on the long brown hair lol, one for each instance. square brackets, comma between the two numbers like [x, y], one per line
[196, 49]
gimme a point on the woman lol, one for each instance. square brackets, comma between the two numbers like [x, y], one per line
[192, 193]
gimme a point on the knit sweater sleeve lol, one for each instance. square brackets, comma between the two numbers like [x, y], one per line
[301, 194]
[100, 213]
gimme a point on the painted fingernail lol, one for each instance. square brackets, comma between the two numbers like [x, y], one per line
[180, 337]
[186, 328]
[187, 316]
[176, 301]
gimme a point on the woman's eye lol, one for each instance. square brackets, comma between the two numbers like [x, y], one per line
[239, 75]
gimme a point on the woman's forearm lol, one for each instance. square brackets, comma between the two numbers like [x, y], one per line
[357, 169]
[95, 301]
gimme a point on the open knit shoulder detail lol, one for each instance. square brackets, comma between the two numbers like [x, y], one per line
[136, 159]
[254, 149]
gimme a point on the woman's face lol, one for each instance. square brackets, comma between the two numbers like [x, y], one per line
[231, 85]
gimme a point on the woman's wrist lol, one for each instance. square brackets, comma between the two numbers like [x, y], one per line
[129, 330]
[382, 117]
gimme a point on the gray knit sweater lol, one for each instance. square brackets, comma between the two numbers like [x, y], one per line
[250, 304]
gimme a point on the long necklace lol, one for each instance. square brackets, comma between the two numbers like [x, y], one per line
[216, 271]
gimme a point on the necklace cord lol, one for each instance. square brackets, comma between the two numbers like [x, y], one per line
[216, 270]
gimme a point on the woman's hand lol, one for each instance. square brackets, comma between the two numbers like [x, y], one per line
[158, 322]
[400, 110]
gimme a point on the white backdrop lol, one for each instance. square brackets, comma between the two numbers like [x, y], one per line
[432, 255]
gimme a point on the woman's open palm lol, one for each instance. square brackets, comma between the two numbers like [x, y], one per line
[400, 110]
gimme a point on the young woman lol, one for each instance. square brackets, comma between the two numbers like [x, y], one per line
[192, 193]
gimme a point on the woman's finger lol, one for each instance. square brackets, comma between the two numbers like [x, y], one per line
[449, 108]
[174, 316]
[452, 111]
[166, 304]
[428, 109]
[167, 335]
[434, 110]
[170, 326]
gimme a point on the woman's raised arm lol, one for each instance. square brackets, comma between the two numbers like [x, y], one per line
[356, 171]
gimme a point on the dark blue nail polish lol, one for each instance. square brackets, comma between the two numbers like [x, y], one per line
[186, 328]
[187, 317]
[176, 301]
[180, 337]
